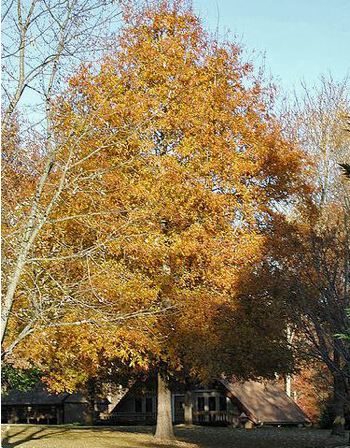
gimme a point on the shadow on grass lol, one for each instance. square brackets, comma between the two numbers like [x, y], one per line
[141, 437]
[23, 435]
[17, 436]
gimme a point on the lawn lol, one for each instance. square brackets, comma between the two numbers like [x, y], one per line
[34, 436]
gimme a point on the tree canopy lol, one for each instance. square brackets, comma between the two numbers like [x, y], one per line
[171, 171]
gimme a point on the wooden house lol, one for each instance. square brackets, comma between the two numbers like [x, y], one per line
[40, 406]
[221, 403]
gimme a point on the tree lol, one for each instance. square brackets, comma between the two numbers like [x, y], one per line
[320, 298]
[42, 42]
[157, 202]
[54, 263]
[18, 379]
[317, 270]
[196, 164]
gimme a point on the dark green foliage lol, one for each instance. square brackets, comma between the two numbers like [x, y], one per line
[19, 379]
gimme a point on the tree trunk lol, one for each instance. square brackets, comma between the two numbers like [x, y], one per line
[164, 429]
[288, 378]
[188, 408]
[91, 397]
[288, 384]
[339, 399]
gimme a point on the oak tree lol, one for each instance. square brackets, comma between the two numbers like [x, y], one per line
[154, 219]
[193, 160]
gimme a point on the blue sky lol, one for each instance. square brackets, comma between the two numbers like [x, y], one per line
[301, 38]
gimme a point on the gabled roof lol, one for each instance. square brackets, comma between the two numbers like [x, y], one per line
[266, 402]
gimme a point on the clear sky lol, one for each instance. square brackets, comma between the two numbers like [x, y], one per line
[301, 38]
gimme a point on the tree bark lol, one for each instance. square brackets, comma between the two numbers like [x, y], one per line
[188, 415]
[164, 429]
[288, 384]
[338, 427]
[339, 397]
[91, 398]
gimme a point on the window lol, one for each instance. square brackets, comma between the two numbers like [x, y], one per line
[149, 404]
[222, 403]
[212, 403]
[138, 405]
[200, 403]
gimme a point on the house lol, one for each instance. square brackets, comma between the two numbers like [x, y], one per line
[40, 406]
[221, 403]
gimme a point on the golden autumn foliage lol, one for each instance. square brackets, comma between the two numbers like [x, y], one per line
[175, 166]
[311, 389]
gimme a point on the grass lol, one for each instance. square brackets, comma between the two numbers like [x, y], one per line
[67, 436]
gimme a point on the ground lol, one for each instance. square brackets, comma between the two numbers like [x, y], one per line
[35, 436]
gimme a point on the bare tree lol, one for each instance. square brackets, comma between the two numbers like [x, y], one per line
[43, 40]
[318, 120]
[319, 267]
[46, 278]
